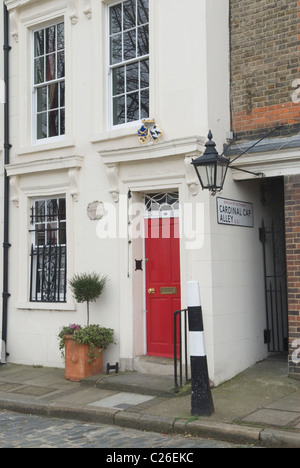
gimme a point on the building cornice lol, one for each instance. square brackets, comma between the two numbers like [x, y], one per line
[271, 164]
[46, 165]
[184, 146]
[71, 6]
[264, 146]
[187, 148]
[70, 164]
[12, 4]
[273, 157]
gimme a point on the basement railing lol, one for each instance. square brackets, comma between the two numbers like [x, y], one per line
[180, 348]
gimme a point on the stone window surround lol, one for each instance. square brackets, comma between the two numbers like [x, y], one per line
[21, 196]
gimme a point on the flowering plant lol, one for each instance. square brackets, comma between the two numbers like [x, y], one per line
[92, 335]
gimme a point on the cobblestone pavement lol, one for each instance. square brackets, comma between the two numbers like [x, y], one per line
[28, 431]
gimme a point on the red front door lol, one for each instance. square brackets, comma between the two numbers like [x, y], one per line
[162, 284]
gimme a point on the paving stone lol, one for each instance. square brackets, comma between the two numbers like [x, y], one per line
[34, 391]
[122, 400]
[272, 417]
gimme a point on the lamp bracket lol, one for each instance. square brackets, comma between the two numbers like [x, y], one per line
[248, 172]
[256, 143]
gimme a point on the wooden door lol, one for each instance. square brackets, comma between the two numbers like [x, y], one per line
[162, 284]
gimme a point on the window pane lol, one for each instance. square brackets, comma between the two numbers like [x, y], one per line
[39, 76]
[133, 107]
[53, 123]
[60, 65]
[116, 19]
[116, 49]
[39, 211]
[62, 209]
[51, 67]
[132, 77]
[143, 9]
[129, 14]
[119, 110]
[144, 74]
[145, 104]
[62, 233]
[51, 234]
[40, 235]
[41, 130]
[53, 96]
[62, 94]
[62, 285]
[42, 99]
[50, 39]
[52, 208]
[62, 122]
[143, 40]
[60, 36]
[118, 81]
[130, 44]
[39, 43]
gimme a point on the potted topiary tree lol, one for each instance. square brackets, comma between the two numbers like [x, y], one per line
[82, 346]
[87, 287]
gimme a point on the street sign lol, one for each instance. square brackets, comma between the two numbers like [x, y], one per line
[235, 213]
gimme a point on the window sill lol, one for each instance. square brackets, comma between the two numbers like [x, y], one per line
[59, 306]
[40, 147]
[116, 133]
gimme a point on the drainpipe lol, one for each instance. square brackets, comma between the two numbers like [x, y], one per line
[7, 146]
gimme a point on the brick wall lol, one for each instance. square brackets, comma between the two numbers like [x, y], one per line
[265, 46]
[292, 221]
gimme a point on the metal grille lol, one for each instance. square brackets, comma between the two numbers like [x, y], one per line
[276, 333]
[48, 251]
[162, 202]
[179, 347]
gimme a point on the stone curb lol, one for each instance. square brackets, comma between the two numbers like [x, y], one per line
[234, 433]
[275, 438]
[223, 431]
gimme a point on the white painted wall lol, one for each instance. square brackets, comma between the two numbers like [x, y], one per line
[238, 290]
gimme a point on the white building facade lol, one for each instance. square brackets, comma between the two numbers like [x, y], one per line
[89, 179]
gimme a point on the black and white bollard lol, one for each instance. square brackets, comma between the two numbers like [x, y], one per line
[202, 403]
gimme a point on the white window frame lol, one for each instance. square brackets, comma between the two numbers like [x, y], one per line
[110, 66]
[56, 138]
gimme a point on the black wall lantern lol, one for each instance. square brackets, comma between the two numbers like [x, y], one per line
[211, 168]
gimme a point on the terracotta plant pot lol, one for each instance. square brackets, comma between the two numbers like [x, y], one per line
[77, 365]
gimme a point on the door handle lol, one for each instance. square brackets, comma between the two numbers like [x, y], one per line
[151, 291]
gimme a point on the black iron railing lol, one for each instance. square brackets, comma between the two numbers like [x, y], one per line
[180, 347]
[276, 333]
[48, 273]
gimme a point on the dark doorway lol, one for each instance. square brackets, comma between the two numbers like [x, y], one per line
[272, 236]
